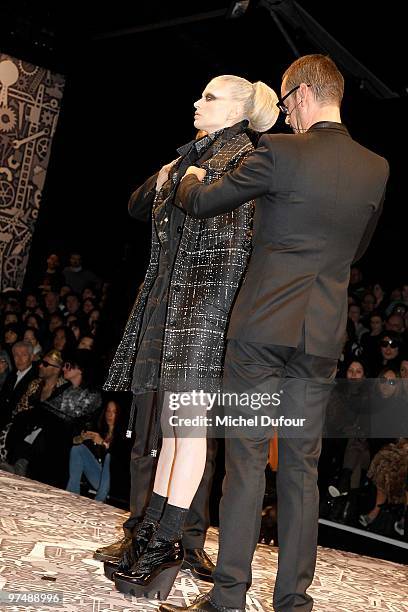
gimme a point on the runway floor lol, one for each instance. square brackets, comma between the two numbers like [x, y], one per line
[48, 536]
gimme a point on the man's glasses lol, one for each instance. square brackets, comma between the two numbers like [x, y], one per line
[389, 343]
[47, 364]
[280, 103]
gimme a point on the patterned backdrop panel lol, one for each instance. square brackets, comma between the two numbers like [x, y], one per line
[30, 99]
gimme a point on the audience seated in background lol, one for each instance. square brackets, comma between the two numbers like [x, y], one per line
[67, 412]
[23, 425]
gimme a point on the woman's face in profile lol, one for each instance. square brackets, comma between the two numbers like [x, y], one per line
[216, 109]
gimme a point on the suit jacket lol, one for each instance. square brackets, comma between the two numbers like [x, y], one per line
[10, 395]
[319, 199]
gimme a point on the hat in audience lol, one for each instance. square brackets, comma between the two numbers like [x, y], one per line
[55, 356]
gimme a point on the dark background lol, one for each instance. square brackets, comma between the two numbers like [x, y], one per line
[128, 104]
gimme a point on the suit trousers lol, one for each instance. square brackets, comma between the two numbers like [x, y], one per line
[304, 383]
[143, 470]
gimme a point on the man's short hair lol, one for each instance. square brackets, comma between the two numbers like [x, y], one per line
[24, 344]
[321, 74]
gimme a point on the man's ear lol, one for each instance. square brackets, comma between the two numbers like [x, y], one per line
[303, 90]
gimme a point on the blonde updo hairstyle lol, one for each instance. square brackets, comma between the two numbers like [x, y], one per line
[258, 100]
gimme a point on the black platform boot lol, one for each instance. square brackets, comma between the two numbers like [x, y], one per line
[114, 551]
[155, 572]
[131, 553]
[198, 563]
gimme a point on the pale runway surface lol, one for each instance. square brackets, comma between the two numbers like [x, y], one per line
[48, 532]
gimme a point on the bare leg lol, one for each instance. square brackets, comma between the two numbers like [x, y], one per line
[188, 469]
[164, 467]
[182, 457]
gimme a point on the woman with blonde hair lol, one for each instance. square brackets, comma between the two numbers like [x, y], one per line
[175, 337]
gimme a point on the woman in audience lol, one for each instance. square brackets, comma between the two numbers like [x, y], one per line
[88, 305]
[31, 305]
[63, 339]
[90, 456]
[32, 335]
[93, 321]
[12, 333]
[57, 319]
[387, 355]
[37, 322]
[345, 445]
[388, 471]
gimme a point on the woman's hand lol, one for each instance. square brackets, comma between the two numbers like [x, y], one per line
[163, 175]
[94, 436]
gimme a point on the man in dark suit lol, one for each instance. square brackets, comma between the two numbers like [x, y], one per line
[17, 381]
[319, 195]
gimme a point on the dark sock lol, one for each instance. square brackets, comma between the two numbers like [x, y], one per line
[172, 523]
[155, 508]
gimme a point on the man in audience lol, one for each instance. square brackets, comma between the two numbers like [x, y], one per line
[78, 277]
[17, 381]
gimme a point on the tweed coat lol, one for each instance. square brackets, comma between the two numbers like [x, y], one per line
[208, 270]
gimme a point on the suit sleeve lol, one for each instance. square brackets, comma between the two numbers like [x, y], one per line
[253, 178]
[369, 231]
[141, 201]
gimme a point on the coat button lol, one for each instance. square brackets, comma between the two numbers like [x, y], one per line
[183, 253]
[173, 323]
[169, 357]
[177, 288]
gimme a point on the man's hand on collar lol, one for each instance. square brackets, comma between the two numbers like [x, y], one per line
[198, 172]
